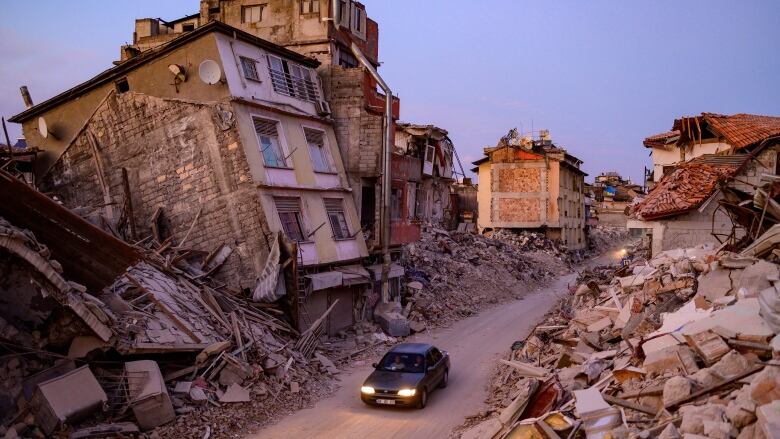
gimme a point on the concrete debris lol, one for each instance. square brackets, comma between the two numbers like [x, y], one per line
[677, 346]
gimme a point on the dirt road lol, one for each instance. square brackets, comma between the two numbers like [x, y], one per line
[474, 344]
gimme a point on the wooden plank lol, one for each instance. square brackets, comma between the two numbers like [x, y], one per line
[165, 310]
[709, 389]
[526, 369]
[629, 405]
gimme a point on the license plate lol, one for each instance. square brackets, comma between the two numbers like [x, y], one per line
[386, 401]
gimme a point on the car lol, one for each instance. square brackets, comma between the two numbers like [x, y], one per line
[406, 376]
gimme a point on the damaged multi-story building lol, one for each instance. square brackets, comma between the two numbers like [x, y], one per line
[612, 197]
[338, 33]
[216, 142]
[702, 169]
[532, 184]
[423, 175]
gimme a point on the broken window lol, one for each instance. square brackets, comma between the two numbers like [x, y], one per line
[122, 86]
[338, 221]
[270, 147]
[310, 7]
[396, 196]
[188, 27]
[346, 59]
[292, 80]
[343, 12]
[252, 13]
[319, 155]
[249, 67]
[289, 209]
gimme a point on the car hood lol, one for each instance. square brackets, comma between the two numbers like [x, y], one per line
[381, 379]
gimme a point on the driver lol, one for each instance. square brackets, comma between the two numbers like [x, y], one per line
[397, 363]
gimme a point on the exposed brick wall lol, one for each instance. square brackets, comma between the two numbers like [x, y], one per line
[180, 157]
[519, 209]
[520, 180]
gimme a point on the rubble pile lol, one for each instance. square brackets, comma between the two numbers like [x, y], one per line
[451, 275]
[155, 346]
[604, 237]
[681, 345]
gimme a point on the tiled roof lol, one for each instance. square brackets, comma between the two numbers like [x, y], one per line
[739, 130]
[662, 139]
[687, 187]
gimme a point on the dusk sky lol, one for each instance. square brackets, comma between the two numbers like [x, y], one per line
[600, 75]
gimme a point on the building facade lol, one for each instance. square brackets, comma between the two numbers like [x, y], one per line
[324, 30]
[529, 184]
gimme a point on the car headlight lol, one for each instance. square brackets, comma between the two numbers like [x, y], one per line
[407, 392]
[368, 390]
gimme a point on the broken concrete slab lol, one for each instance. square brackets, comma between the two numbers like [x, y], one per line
[740, 320]
[235, 393]
[717, 283]
[709, 345]
[484, 430]
[679, 358]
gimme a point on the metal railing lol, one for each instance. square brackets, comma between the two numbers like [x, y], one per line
[299, 88]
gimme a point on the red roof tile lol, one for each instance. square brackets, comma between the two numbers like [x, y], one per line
[739, 130]
[661, 140]
[685, 189]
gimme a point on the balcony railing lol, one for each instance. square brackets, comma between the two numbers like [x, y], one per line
[299, 88]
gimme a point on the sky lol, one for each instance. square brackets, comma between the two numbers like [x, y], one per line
[600, 75]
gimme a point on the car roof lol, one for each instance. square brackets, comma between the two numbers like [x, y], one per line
[411, 348]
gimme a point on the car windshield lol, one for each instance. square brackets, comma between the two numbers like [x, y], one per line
[400, 362]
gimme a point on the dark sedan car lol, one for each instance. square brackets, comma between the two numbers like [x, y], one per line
[406, 375]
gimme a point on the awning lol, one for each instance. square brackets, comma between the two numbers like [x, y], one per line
[395, 271]
[354, 275]
[325, 280]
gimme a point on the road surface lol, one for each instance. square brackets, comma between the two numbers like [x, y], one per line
[474, 344]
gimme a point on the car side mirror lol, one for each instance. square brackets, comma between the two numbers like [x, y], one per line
[374, 365]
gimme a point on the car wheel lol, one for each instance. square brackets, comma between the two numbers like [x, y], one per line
[444, 379]
[423, 401]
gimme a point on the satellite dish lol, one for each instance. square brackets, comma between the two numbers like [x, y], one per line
[43, 127]
[179, 75]
[210, 72]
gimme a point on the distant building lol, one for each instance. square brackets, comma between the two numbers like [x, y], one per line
[527, 184]
[612, 197]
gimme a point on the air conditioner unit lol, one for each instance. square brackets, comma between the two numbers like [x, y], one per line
[323, 108]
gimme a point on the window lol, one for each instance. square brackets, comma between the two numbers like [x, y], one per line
[188, 27]
[252, 13]
[270, 147]
[396, 196]
[249, 66]
[122, 85]
[358, 21]
[338, 221]
[343, 13]
[319, 155]
[346, 59]
[292, 80]
[310, 7]
[289, 209]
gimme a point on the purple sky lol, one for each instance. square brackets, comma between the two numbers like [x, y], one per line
[600, 75]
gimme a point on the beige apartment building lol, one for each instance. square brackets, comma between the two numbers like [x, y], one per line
[527, 184]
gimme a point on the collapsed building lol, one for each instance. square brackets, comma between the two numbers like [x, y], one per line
[527, 184]
[612, 197]
[185, 135]
[428, 156]
[705, 170]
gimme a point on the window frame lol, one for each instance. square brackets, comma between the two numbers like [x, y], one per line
[242, 61]
[312, 5]
[358, 19]
[289, 84]
[280, 139]
[344, 233]
[298, 216]
[326, 153]
[245, 8]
